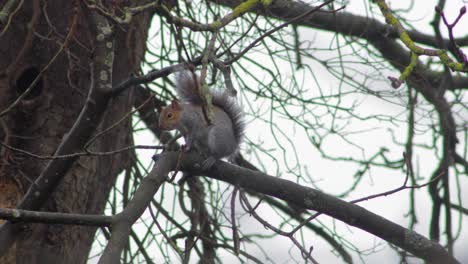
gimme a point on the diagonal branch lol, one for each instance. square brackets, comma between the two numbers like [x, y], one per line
[349, 213]
[122, 225]
[286, 190]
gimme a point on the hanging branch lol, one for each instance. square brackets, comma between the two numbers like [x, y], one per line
[416, 50]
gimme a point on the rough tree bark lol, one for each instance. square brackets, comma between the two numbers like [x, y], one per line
[36, 33]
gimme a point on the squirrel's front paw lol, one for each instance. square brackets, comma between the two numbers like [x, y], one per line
[156, 157]
[185, 148]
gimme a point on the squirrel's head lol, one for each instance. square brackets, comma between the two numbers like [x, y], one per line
[170, 116]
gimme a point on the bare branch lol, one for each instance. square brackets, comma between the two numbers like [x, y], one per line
[16, 215]
[135, 208]
[309, 198]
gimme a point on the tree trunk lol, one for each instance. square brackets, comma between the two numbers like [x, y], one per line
[37, 124]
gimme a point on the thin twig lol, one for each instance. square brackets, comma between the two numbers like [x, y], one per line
[117, 123]
[305, 253]
[235, 233]
[268, 33]
[79, 154]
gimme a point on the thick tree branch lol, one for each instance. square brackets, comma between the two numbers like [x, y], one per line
[349, 213]
[122, 225]
[296, 215]
[286, 190]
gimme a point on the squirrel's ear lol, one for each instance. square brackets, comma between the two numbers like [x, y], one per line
[175, 105]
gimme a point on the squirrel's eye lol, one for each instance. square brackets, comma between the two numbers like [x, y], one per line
[169, 115]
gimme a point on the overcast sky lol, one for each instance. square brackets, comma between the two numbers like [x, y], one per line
[335, 177]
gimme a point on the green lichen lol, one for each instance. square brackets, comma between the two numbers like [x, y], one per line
[109, 60]
[391, 20]
[6, 10]
[104, 29]
[444, 57]
[107, 30]
[100, 37]
[16, 213]
[415, 49]
[209, 101]
[216, 24]
[103, 76]
[446, 60]
[127, 17]
[406, 39]
[244, 7]
[409, 69]
[237, 12]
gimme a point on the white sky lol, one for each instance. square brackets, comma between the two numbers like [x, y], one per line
[335, 177]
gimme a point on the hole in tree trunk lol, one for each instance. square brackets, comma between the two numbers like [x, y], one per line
[26, 78]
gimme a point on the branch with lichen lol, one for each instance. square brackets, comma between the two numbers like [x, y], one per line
[204, 91]
[6, 10]
[6, 14]
[397, 82]
[238, 11]
[129, 12]
[416, 50]
[461, 57]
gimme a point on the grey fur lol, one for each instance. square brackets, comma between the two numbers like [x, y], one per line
[227, 131]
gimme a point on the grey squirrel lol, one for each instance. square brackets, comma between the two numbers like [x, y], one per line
[220, 139]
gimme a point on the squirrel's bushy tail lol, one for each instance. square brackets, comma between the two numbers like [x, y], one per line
[187, 86]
